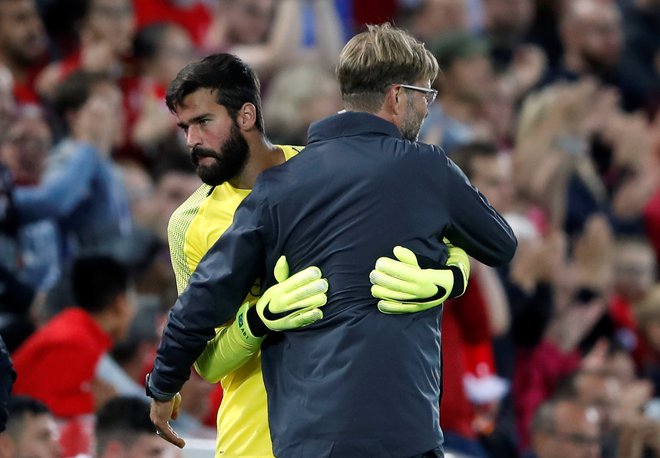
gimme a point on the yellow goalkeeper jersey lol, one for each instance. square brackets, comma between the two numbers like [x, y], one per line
[193, 228]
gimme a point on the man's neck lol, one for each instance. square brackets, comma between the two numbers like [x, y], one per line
[263, 155]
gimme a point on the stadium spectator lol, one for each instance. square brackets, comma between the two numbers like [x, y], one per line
[81, 336]
[90, 105]
[506, 24]
[31, 431]
[160, 50]
[592, 36]
[104, 33]
[123, 429]
[296, 97]
[565, 427]
[428, 19]
[455, 117]
[23, 43]
[268, 35]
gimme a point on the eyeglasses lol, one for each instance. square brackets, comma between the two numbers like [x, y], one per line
[429, 94]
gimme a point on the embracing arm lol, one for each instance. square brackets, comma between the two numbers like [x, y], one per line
[293, 302]
[475, 224]
[231, 347]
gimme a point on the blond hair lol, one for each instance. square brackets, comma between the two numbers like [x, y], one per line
[378, 57]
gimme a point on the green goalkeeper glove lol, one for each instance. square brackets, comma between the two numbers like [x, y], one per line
[404, 287]
[292, 303]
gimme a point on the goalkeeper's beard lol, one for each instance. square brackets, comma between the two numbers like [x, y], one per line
[227, 164]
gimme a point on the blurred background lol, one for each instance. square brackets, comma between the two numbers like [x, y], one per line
[549, 107]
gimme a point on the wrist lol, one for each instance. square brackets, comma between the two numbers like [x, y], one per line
[254, 323]
[459, 282]
[249, 325]
[154, 393]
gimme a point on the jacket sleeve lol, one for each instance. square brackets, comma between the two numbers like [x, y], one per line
[67, 182]
[217, 287]
[475, 224]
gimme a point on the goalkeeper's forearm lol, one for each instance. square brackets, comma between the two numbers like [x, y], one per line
[231, 347]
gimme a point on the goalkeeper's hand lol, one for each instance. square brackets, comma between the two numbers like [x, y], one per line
[404, 287]
[292, 303]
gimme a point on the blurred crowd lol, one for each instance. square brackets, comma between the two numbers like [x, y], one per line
[549, 107]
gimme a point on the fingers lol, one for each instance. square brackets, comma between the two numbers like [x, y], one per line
[175, 407]
[306, 317]
[458, 253]
[392, 284]
[170, 435]
[405, 255]
[458, 257]
[380, 292]
[315, 288]
[301, 278]
[397, 269]
[160, 414]
[296, 320]
[308, 295]
[395, 308]
[281, 269]
[311, 298]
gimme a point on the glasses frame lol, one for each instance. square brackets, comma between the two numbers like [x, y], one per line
[429, 94]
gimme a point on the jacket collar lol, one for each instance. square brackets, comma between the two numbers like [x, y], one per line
[349, 123]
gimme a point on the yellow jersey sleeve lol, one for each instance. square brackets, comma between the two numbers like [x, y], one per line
[177, 229]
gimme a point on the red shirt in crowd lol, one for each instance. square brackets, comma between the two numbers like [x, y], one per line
[57, 363]
[196, 19]
[464, 325]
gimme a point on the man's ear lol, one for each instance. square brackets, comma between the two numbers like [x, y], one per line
[246, 118]
[393, 104]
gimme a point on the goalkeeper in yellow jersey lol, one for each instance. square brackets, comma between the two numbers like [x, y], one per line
[216, 101]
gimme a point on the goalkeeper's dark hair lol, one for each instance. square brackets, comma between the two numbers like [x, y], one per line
[97, 281]
[123, 419]
[232, 80]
